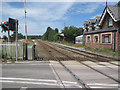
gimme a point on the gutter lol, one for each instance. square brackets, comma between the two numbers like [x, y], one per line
[102, 31]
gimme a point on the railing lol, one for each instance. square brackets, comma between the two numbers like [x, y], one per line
[8, 50]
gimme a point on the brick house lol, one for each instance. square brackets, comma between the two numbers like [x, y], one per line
[104, 31]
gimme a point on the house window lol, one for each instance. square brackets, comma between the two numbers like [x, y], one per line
[106, 38]
[86, 30]
[96, 39]
[97, 27]
[88, 39]
[110, 21]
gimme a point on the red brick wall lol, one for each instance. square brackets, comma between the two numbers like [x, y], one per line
[117, 40]
[101, 45]
[105, 24]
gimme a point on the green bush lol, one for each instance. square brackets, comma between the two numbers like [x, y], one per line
[50, 34]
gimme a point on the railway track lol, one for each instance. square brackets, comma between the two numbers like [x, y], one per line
[81, 83]
[72, 58]
[91, 56]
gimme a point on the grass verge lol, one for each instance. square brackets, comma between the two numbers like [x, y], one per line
[106, 51]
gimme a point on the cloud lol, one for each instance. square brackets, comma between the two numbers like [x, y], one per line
[39, 15]
[85, 8]
[51, 11]
[0, 11]
[93, 17]
[10, 11]
[60, 0]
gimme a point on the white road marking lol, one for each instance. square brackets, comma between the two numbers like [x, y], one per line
[45, 80]
[29, 79]
[23, 88]
[36, 83]
[52, 82]
[69, 82]
[102, 84]
[28, 62]
[98, 87]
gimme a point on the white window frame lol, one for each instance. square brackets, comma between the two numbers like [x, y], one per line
[95, 38]
[106, 34]
[87, 38]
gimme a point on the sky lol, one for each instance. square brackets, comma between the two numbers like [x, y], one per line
[41, 15]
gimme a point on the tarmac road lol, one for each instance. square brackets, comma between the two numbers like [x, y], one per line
[33, 74]
[28, 74]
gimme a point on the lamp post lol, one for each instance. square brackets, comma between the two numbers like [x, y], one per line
[26, 56]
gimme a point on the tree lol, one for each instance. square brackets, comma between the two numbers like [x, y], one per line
[118, 4]
[5, 37]
[34, 36]
[56, 30]
[50, 34]
[71, 32]
[20, 36]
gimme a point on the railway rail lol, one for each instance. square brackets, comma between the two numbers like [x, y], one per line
[68, 57]
[84, 85]
[93, 59]
[91, 56]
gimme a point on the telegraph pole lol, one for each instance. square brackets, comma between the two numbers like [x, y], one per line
[26, 56]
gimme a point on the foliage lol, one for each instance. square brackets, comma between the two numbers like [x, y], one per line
[118, 4]
[50, 34]
[13, 36]
[106, 51]
[34, 36]
[5, 37]
[71, 32]
[20, 36]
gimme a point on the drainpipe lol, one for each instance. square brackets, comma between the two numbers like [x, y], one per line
[114, 41]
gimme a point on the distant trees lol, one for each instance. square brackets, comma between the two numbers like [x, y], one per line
[5, 37]
[50, 34]
[13, 36]
[71, 32]
[20, 36]
[118, 4]
[34, 36]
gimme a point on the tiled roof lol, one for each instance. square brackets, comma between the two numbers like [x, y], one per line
[92, 20]
[86, 22]
[115, 10]
[97, 17]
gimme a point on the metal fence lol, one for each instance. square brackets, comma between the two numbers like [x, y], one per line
[8, 50]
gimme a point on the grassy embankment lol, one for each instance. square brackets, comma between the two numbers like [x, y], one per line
[106, 51]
